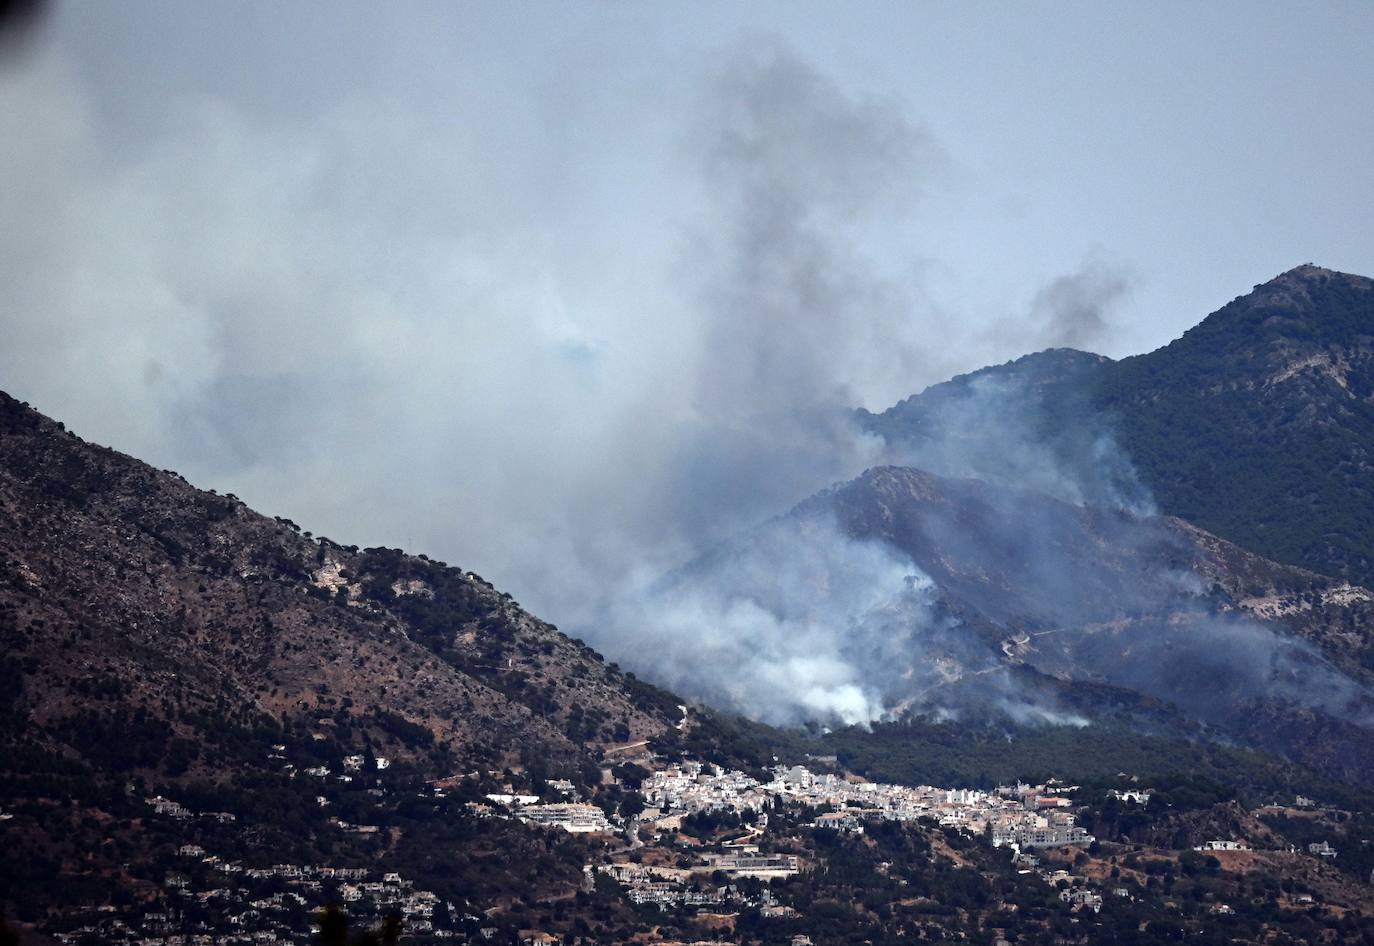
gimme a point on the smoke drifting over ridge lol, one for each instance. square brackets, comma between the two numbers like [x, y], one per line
[379, 316]
[361, 321]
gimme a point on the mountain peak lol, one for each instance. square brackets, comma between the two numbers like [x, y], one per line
[1295, 287]
[1035, 370]
[1305, 271]
[1305, 308]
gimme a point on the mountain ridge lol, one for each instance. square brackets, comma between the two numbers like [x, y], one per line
[1255, 424]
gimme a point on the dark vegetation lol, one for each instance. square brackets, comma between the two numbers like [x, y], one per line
[335, 930]
[1281, 468]
[1349, 833]
[994, 752]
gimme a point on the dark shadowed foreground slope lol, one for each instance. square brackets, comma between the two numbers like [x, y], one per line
[282, 690]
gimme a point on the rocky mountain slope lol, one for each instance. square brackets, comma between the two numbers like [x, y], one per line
[148, 625]
[1255, 425]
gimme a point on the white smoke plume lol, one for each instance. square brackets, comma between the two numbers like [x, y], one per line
[787, 624]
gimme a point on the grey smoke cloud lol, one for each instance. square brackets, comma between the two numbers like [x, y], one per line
[795, 321]
[1065, 550]
[1026, 425]
[392, 326]
[1073, 310]
[357, 320]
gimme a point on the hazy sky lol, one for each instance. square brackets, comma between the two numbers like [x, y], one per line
[557, 291]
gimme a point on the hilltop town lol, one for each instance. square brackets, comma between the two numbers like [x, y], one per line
[697, 836]
[686, 842]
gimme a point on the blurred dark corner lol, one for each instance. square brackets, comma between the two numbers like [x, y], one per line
[20, 22]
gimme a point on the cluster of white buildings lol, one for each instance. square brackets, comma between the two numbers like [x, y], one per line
[351, 763]
[1031, 829]
[677, 886]
[393, 892]
[1082, 898]
[356, 763]
[245, 913]
[1134, 796]
[167, 807]
[173, 809]
[748, 861]
[573, 817]
[1023, 815]
[692, 787]
[665, 886]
